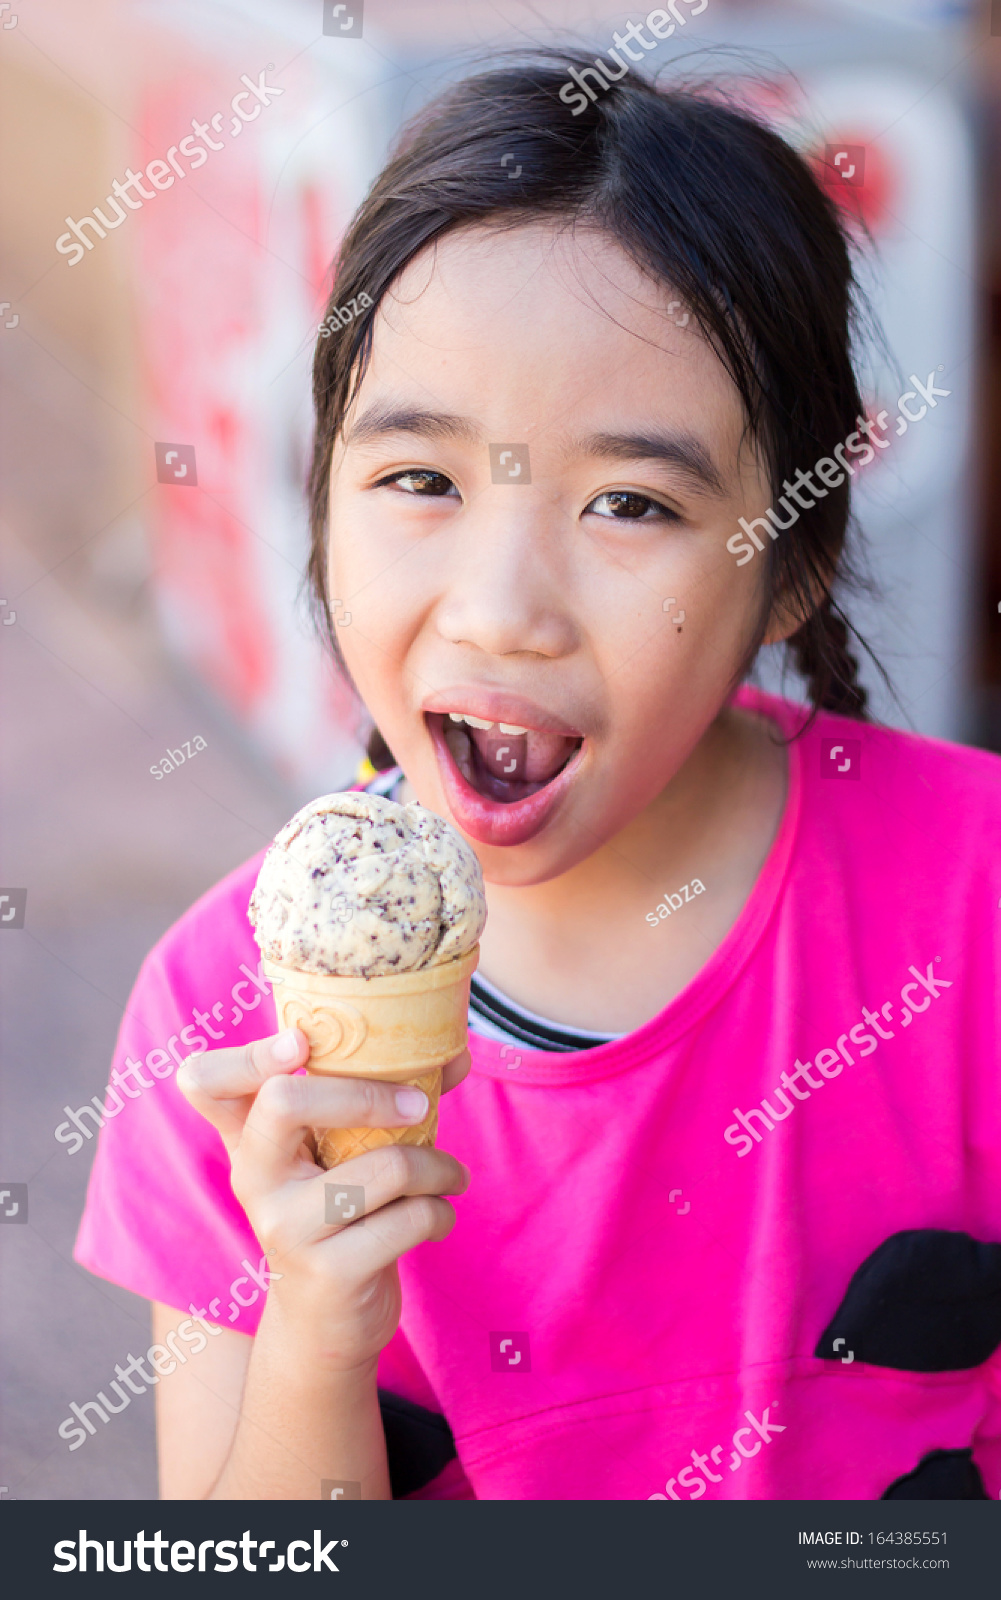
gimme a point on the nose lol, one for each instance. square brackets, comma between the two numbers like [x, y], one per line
[510, 587]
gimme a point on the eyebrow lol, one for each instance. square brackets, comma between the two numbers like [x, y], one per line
[382, 419]
[677, 449]
[681, 450]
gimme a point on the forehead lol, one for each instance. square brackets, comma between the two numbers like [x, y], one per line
[546, 324]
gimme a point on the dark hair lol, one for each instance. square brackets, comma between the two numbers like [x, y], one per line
[707, 199]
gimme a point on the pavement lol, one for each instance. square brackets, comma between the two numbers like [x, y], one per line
[110, 857]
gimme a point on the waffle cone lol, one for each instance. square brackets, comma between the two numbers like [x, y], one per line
[401, 1028]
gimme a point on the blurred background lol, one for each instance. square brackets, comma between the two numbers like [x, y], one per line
[155, 431]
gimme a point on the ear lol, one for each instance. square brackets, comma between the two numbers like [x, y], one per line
[790, 611]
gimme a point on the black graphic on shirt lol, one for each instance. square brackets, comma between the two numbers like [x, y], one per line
[940, 1475]
[419, 1443]
[924, 1301]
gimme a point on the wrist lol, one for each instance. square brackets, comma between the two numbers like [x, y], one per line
[308, 1356]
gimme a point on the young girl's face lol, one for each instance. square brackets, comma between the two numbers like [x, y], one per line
[529, 514]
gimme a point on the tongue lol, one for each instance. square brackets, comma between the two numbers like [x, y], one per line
[528, 757]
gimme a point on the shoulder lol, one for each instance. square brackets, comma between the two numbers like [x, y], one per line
[856, 767]
[214, 935]
[907, 829]
[170, 1228]
[915, 777]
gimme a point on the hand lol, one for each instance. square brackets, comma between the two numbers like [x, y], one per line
[339, 1290]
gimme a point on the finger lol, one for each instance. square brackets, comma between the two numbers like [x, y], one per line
[221, 1084]
[455, 1070]
[286, 1109]
[231, 1074]
[343, 1195]
[378, 1240]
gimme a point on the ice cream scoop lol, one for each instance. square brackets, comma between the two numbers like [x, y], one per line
[359, 886]
[368, 915]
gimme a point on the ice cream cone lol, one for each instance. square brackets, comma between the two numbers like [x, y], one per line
[400, 1028]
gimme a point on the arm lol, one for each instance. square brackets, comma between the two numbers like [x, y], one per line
[300, 1424]
[197, 1408]
[232, 1407]
[270, 1418]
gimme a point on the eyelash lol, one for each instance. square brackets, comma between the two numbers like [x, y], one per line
[655, 506]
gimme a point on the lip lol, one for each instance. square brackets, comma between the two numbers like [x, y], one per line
[492, 821]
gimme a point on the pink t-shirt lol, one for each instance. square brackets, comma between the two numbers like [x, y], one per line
[647, 1256]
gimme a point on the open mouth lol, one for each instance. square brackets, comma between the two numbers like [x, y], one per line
[502, 780]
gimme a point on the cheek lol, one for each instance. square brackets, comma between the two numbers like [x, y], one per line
[351, 557]
[365, 578]
[377, 605]
[677, 656]
[670, 672]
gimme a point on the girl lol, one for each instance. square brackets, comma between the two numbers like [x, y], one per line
[725, 1161]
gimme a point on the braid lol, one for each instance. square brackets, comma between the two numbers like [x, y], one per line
[821, 652]
[378, 752]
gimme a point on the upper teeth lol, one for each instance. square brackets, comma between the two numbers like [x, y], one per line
[478, 722]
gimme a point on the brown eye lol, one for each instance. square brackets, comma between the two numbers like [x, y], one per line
[420, 482]
[623, 505]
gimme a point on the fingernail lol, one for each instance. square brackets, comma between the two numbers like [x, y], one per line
[285, 1047]
[466, 1171]
[412, 1104]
